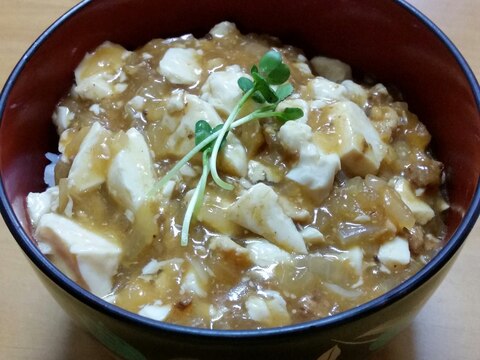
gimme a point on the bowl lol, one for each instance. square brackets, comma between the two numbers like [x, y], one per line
[389, 39]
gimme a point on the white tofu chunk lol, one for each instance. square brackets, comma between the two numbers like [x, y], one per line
[258, 210]
[295, 103]
[332, 69]
[270, 311]
[394, 252]
[195, 280]
[379, 89]
[193, 284]
[223, 29]
[156, 312]
[168, 189]
[39, 204]
[361, 149]
[95, 87]
[213, 214]
[230, 250]
[312, 236]
[154, 266]
[45, 249]
[119, 88]
[49, 172]
[131, 173]
[356, 93]
[96, 109]
[110, 298]
[263, 253]
[354, 257]
[325, 92]
[101, 74]
[177, 101]
[180, 66]
[84, 175]
[441, 204]
[303, 67]
[294, 211]
[315, 171]
[422, 212]
[293, 136]
[188, 172]
[233, 157]
[221, 89]
[137, 102]
[257, 309]
[93, 258]
[62, 118]
[182, 139]
[258, 172]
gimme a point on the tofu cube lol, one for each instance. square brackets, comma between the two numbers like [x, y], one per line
[87, 171]
[39, 204]
[264, 253]
[181, 66]
[315, 171]
[332, 69]
[155, 311]
[101, 74]
[270, 310]
[92, 258]
[361, 149]
[221, 89]
[233, 157]
[131, 174]
[295, 103]
[394, 253]
[325, 92]
[258, 210]
[230, 250]
[422, 212]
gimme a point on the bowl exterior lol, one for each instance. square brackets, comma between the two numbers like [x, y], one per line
[386, 38]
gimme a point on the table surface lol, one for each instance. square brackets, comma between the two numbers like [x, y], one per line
[32, 325]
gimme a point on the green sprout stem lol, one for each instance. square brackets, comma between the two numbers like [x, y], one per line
[196, 200]
[222, 133]
[258, 114]
[203, 180]
[173, 171]
[270, 71]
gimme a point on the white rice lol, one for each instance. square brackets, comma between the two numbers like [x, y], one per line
[49, 173]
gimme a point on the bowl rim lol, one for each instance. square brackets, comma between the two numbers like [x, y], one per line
[354, 314]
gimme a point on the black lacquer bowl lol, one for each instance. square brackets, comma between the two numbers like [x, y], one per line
[387, 38]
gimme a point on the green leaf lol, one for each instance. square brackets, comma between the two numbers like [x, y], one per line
[269, 62]
[278, 75]
[284, 91]
[270, 71]
[202, 131]
[262, 86]
[245, 84]
[258, 97]
[273, 69]
[291, 114]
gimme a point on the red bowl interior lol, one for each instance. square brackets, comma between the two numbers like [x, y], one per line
[382, 38]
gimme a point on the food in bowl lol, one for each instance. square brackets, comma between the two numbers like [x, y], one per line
[326, 194]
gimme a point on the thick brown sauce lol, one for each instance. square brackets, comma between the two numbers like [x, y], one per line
[227, 283]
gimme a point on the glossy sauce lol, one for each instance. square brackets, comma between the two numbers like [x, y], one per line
[355, 214]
